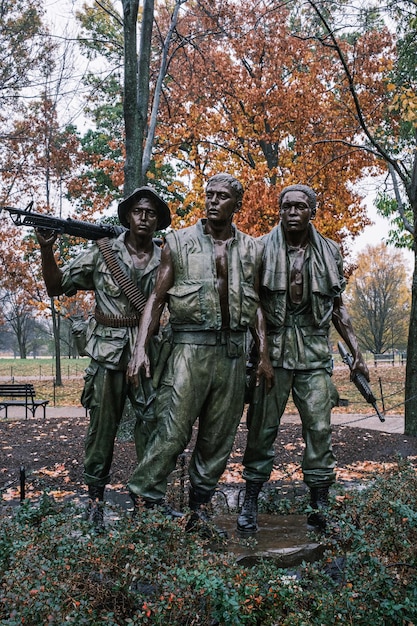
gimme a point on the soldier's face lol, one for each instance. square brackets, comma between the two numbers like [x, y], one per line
[295, 211]
[221, 202]
[143, 217]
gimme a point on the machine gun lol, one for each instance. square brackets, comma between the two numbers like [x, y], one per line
[76, 228]
[359, 380]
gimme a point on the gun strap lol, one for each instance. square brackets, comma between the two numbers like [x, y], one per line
[129, 288]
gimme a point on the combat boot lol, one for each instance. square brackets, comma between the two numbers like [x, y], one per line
[200, 518]
[159, 505]
[319, 500]
[247, 522]
[94, 511]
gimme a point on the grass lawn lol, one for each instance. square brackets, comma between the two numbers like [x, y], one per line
[42, 373]
[387, 383]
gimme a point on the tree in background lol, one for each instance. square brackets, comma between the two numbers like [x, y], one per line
[20, 294]
[26, 51]
[18, 316]
[37, 164]
[395, 198]
[28, 331]
[241, 93]
[386, 125]
[379, 299]
[115, 38]
[23, 49]
[253, 99]
[41, 158]
[39, 161]
[7, 340]
[26, 305]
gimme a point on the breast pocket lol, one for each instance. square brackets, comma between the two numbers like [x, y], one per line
[198, 265]
[250, 302]
[185, 304]
[107, 284]
[316, 344]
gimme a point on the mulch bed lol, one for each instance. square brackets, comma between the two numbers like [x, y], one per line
[51, 451]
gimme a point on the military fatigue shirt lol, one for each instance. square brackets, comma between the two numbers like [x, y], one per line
[298, 333]
[88, 271]
[193, 301]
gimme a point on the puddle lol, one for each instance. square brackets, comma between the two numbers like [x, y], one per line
[284, 538]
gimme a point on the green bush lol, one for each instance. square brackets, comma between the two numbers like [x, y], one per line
[54, 570]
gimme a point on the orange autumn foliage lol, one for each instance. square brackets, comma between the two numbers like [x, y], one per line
[251, 99]
[243, 94]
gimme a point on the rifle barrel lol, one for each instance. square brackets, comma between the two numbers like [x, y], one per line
[69, 226]
[360, 381]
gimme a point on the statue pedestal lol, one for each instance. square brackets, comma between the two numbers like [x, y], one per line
[286, 539]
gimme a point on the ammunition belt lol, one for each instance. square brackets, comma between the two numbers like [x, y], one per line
[116, 321]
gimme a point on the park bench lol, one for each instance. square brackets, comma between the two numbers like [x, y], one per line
[387, 357]
[20, 394]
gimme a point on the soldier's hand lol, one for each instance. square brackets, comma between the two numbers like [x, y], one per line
[360, 366]
[45, 237]
[265, 371]
[139, 361]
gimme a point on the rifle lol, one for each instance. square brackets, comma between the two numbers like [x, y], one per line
[359, 380]
[251, 367]
[76, 228]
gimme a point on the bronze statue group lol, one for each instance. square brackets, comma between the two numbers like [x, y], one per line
[223, 289]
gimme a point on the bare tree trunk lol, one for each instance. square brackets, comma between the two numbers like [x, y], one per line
[136, 88]
[146, 159]
[410, 427]
[408, 177]
[133, 158]
[144, 62]
[22, 345]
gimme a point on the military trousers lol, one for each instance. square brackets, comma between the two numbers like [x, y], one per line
[314, 395]
[105, 393]
[201, 382]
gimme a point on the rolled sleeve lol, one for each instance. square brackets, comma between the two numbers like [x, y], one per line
[79, 273]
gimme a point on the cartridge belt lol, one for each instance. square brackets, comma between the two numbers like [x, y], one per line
[116, 321]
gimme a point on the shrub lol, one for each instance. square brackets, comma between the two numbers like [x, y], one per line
[55, 570]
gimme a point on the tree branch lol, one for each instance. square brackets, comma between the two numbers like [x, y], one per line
[351, 85]
[158, 89]
[400, 205]
[115, 16]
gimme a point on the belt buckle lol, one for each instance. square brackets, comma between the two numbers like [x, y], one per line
[221, 337]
